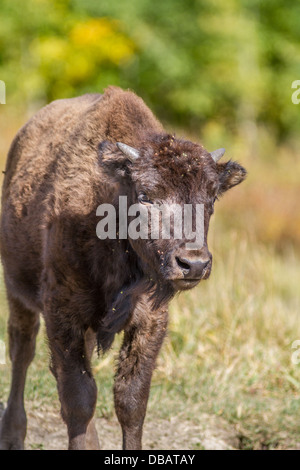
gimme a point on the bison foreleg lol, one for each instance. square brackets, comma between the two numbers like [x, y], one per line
[143, 338]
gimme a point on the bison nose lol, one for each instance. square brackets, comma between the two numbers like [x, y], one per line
[193, 268]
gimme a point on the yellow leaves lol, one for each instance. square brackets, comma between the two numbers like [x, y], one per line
[91, 32]
[103, 38]
[88, 46]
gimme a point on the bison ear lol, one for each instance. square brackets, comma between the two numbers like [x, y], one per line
[116, 159]
[230, 174]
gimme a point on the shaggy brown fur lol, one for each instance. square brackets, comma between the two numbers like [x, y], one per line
[61, 166]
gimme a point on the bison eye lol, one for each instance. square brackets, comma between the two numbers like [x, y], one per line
[143, 199]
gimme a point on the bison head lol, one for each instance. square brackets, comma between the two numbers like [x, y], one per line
[165, 172]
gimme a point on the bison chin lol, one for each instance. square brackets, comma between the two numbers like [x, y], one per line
[185, 284]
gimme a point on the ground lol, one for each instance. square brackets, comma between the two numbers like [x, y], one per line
[47, 431]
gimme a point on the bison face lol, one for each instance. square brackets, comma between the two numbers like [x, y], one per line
[172, 185]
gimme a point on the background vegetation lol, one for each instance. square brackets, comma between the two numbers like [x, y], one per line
[219, 72]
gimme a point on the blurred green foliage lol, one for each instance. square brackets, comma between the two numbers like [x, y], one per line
[197, 63]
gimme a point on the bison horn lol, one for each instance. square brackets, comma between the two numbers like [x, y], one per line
[217, 154]
[130, 152]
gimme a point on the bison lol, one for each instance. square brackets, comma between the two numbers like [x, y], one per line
[72, 156]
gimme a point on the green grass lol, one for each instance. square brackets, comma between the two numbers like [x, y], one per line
[228, 351]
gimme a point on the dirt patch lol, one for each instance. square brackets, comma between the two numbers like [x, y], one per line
[46, 430]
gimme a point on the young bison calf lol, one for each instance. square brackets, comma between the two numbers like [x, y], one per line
[71, 157]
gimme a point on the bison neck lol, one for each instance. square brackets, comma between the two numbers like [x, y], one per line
[123, 283]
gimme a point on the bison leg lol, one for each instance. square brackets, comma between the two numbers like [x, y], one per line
[76, 386]
[22, 329]
[92, 441]
[143, 338]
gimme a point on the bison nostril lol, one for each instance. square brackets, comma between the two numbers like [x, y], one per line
[192, 268]
[182, 264]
